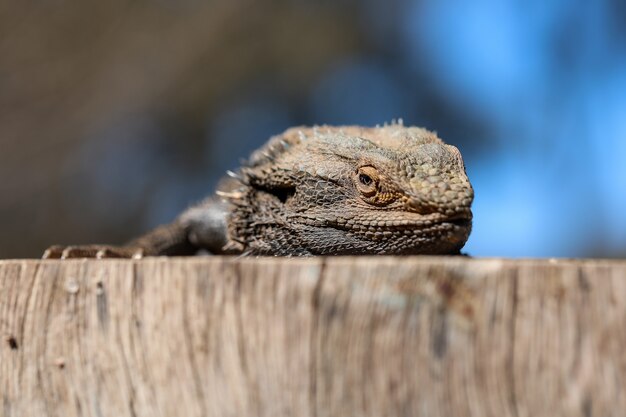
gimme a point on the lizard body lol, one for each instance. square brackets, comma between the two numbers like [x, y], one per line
[324, 191]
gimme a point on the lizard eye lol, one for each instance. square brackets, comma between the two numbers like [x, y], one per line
[367, 180]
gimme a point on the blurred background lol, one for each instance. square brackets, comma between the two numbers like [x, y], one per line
[116, 115]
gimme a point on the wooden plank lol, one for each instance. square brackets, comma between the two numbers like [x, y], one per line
[378, 336]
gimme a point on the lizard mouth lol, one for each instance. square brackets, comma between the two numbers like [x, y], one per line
[464, 220]
[461, 219]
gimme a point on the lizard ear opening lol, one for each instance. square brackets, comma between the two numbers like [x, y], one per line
[282, 193]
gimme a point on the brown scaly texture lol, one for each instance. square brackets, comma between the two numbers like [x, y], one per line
[326, 191]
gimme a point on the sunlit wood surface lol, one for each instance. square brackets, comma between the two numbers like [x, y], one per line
[378, 336]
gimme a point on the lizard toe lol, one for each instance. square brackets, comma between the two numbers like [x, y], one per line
[53, 252]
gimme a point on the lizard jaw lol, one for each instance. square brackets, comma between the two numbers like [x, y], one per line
[411, 234]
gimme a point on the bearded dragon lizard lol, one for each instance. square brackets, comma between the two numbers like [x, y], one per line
[324, 191]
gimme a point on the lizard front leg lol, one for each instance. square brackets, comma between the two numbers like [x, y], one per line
[168, 240]
[207, 225]
[200, 227]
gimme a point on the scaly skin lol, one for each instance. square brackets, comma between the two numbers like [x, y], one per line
[326, 191]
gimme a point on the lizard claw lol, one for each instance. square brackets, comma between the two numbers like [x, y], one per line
[93, 251]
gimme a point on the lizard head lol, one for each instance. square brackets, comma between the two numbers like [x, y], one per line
[354, 190]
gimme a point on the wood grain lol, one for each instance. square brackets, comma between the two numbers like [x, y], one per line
[413, 336]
